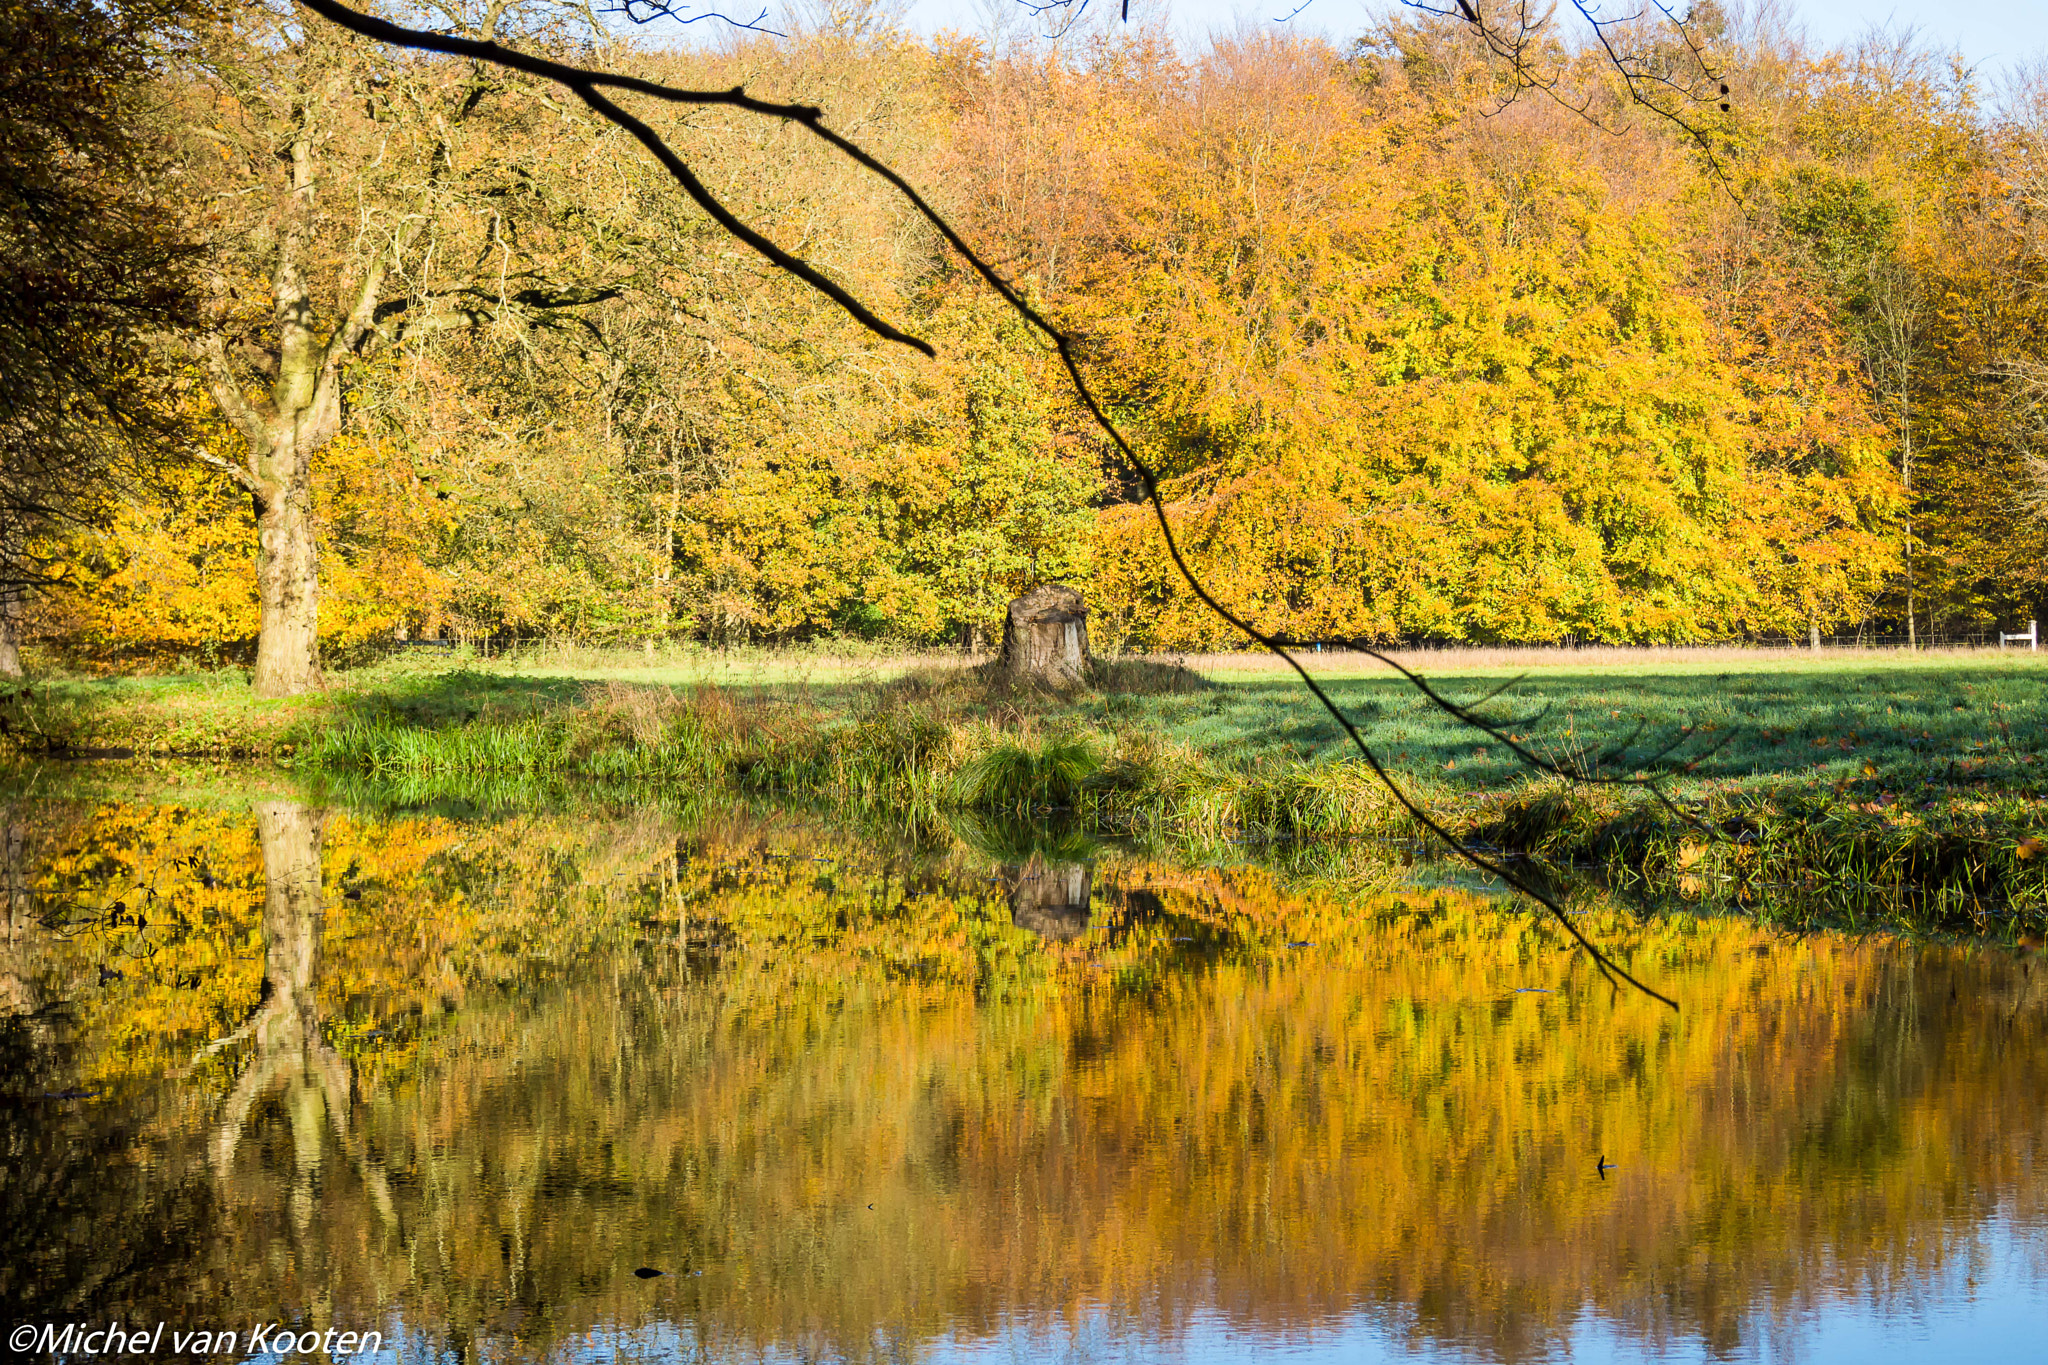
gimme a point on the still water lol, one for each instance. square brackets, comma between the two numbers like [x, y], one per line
[466, 1082]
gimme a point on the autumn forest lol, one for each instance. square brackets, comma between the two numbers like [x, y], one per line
[517, 841]
[1417, 361]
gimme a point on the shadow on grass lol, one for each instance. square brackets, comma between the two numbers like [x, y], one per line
[460, 697]
[1902, 725]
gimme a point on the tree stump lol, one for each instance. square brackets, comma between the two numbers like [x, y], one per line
[1045, 638]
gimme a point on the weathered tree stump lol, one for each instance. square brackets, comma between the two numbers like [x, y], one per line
[1045, 638]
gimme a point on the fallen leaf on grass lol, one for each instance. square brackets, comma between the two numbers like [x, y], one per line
[2029, 848]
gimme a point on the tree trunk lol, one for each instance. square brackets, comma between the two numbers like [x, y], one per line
[288, 586]
[285, 1028]
[294, 910]
[10, 630]
[1045, 638]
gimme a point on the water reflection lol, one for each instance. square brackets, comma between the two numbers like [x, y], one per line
[460, 1080]
[1050, 899]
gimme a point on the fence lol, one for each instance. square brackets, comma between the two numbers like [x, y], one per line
[1985, 638]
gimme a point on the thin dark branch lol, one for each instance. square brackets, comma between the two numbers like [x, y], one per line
[1500, 730]
[1638, 78]
[647, 11]
[1076, 9]
[1512, 44]
[586, 83]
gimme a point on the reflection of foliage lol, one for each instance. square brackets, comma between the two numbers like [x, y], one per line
[708, 1044]
[1013, 841]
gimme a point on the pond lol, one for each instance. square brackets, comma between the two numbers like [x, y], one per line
[738, 1084]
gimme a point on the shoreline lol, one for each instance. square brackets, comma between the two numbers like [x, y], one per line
[1166, 753]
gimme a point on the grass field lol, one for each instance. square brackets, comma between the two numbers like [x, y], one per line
[1902, 722]
[1716, 717]
[1879, 769]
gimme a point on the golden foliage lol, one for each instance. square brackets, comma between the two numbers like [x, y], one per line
[176, 574]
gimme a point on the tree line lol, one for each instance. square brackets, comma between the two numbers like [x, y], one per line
[426, 351]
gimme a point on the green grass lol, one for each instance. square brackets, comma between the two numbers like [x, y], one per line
[1892, 773]
[1900, 726]
[1707, 732]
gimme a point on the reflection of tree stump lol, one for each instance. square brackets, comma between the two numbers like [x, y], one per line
[1051, 899]
[1045, 639]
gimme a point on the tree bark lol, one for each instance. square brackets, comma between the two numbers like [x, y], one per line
[284, 429]
[1045, 638]
[10, 631]
[288, 587]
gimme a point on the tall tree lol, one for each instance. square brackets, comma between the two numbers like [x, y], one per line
[357, 198]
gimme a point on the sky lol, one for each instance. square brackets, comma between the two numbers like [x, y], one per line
[1992, 34]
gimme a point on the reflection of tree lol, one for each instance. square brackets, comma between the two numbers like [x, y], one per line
[290, 1051]
[864, 1116]
[20, 995]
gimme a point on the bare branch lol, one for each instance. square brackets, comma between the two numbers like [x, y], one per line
[1514, 44]
[362, 317]
[586, 85]
[226, 389]
[647, 11]
[201, 455]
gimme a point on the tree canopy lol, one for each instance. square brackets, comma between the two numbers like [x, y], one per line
[1414, 364]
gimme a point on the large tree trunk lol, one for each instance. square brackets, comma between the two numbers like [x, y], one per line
[288, 586]
[284, 430]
